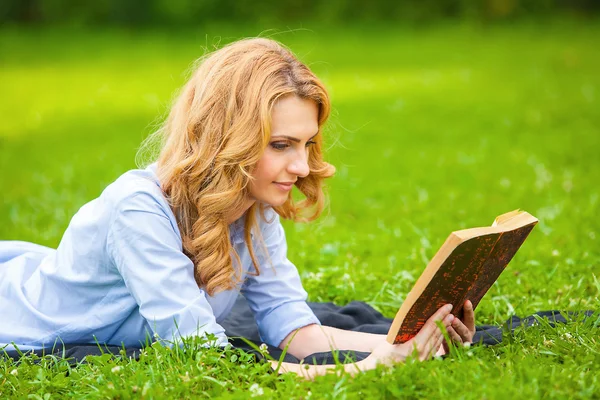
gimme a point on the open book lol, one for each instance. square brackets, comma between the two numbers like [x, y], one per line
[464, 268]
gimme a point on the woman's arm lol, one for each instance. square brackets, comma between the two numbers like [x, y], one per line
[316, 338]
[145, 249]
[424, 345]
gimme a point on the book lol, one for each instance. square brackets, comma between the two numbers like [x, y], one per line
[464, 268]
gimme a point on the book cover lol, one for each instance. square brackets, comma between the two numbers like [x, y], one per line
[465, 267]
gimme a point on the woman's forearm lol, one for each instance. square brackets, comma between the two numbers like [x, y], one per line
[315, 339]
[351, 340]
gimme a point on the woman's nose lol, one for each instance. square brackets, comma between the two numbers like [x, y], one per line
[299, 166]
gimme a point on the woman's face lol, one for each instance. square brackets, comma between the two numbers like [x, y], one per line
[294, 124]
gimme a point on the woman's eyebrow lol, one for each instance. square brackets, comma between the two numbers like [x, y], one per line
[293, 139]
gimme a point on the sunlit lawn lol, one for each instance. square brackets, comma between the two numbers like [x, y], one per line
[433, 130]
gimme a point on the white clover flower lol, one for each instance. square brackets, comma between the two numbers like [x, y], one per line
[256, 390]
[116, 369]
[467, 344]
[14, 372]
[186, 377]
[263, 348]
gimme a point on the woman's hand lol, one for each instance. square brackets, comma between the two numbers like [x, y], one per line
[426, 342]
[461, 332]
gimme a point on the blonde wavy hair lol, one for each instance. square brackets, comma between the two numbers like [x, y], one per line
[216, 132]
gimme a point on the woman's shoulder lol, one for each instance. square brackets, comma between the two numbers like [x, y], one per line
[139, 186]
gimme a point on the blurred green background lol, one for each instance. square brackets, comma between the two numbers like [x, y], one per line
[192, 12]
[446, 114]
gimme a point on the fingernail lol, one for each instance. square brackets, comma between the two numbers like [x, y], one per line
[450, 318]
[449, 307]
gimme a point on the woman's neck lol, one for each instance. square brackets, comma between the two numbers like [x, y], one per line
[237, 214]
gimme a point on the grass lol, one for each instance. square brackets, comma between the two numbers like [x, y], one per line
[433, 130]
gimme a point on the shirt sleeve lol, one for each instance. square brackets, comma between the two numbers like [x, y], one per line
[147, 252]
[276, 296]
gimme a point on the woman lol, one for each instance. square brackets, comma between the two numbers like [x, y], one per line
[165, 250]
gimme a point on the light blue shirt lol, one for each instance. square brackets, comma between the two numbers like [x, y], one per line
[119, 274]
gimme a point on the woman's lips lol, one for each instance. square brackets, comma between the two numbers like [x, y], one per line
[284, 186]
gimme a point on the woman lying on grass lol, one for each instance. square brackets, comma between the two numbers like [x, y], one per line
[165, 250]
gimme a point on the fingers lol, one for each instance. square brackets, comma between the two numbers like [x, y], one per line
[439, 343]
[430, 347]
[455, 336]
[469, 316]
[436, 345]
[430, 338]
[441, 351]
[430, 331]
[430, 327]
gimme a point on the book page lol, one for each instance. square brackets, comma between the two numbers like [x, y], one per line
[501, 219]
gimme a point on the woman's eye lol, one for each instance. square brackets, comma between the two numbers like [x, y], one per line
[284, 145]
[279, 145]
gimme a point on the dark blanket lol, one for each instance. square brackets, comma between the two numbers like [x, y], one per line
[356, 316]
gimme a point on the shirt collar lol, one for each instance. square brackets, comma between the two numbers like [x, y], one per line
[236, 230]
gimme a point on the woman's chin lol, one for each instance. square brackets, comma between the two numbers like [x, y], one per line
[276, 202]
